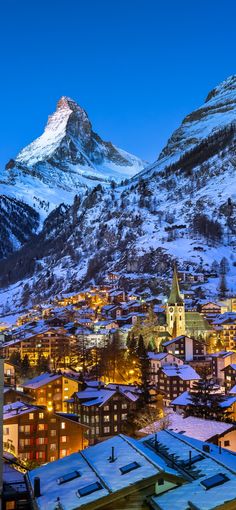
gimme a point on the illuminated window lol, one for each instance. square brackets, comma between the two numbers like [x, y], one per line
[41, 416]
[41, 426]
[41, 440]
[106, 430]
[53, 433]
[31, 416]
[63, 453]
[53, 446]
[63, 425]
[63, 439]
[106, 417]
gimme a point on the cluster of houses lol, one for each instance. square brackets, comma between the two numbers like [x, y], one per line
[75, 425]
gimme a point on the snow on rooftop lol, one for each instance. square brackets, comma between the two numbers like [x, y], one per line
[184, 372]
[94, 467]
[192, 426]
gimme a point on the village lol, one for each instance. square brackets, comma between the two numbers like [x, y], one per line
[97, 367]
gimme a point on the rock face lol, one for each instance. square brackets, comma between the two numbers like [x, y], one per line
[182, 207]
[66, 159]
[18, 223]
[215, 115]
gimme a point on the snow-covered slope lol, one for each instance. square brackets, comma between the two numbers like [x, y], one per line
[182, 207]
[66, 159]
[217, 113]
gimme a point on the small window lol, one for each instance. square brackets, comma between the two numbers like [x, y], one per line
[214, 481]
[63, 439]
[226, 443]
[41, 416]
[89, 489]
[161, 481]
[31, 416]
[129, 467]
[68, 477]
[63, 425]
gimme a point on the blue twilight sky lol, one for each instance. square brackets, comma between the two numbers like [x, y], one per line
[136, 66]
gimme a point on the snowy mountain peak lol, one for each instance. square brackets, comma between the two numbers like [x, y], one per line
[215, 115]
[226, 86]
[67, 158]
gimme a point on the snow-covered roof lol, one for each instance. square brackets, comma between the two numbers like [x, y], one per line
[221, 354]
[70, 479]
[41, 380]
[94, 467]
[17, 408]
[185, 399]
[233, 390]
[158, 356]
[99, 396]
[192, 426]
[184, 372]
[213, 481]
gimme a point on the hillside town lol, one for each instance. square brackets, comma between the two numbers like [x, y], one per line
[107, 374]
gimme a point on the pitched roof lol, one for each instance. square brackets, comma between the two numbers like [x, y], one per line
[191, 426]
[184, 372]
[175, 296]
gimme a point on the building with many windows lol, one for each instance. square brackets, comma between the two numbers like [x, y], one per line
[103, 409]
[32, 433]
[52, 389]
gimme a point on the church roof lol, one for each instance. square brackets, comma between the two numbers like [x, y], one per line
[175, 296]
[197, 321]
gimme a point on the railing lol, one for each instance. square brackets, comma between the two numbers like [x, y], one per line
[8, 447]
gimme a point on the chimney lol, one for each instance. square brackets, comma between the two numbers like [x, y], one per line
[190, 458]
[37, 493]
[112, 458]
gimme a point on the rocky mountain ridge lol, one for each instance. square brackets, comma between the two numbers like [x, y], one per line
[182, 207]
[66, 159]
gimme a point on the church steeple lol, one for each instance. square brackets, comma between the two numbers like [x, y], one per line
[175, 296]
[175, 310]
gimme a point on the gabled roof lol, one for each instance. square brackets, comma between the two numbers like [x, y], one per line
[221, 354]
[184, 372]
[185, 399]
[174, 340]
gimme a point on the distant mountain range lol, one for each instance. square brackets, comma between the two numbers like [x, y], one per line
[182, 206]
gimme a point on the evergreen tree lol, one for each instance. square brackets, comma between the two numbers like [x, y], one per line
[144, 366]
[223, 289]
[25, 366]
[132, 344]
[224, 266]
[205, 402]
[42, 364]
[15, 358]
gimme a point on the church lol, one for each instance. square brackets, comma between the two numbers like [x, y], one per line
[180, 322]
